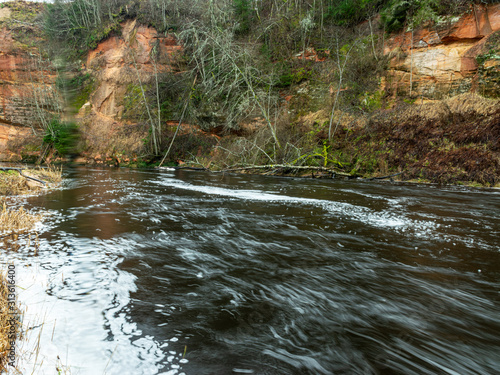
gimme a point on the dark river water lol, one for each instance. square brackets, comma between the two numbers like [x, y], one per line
[157, 272]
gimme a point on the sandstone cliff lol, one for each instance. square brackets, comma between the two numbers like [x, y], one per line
[457, 56]
[124, 66]
[28, 96]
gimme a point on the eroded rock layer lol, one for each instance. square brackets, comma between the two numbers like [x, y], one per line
[28, 96]
[124, 67]
[448, 59]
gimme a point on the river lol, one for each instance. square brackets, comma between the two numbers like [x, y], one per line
[185, 272]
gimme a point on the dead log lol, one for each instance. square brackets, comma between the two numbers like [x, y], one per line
[289, 167]
[20, 170]
[178, 167]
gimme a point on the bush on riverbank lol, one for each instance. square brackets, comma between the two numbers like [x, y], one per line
[15, 220]
[451, 141]
[12, 183]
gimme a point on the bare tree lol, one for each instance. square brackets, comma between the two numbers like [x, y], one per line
[152, 123]
[342, 56]
[228, 74]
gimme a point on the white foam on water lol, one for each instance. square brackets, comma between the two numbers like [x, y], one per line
[382, 219]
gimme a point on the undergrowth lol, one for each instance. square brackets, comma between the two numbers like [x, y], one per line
[452, 141]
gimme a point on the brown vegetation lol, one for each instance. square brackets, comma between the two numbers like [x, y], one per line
[13, 221]
[299, 84]
[17, 220]
[12, 183]
[452, 141]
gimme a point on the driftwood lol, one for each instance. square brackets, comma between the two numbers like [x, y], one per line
[20, 170]
[289, 167]
[188, 168]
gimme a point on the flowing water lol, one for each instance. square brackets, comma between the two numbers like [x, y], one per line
[149, 272]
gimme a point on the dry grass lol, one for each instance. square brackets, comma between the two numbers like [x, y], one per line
[102, 135]
[452, 141]
[51, 174]
[12, 183]
[17, 220]
[456, 140]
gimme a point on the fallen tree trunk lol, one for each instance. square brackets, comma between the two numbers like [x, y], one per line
[289, 167]
[188, 168]
[20, 170]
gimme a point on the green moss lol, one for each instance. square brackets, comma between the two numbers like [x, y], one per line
[22, 23]
[78, 89]
[472, 184]
[491, 55]
[100, 33]
[294, 75]
[132, 101]
[370, 102]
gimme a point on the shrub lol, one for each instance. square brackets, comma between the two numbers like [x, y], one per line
[244, 15]
[63, 136]
[398, 13]
[351, 12]
[80, 24]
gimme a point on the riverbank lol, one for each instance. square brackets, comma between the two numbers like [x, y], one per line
[427, 110]
[15, 221]
[312, 173]
[451, 142]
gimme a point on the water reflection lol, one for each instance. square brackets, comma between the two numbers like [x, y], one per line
[144, 272]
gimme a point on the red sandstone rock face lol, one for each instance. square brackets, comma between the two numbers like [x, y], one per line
[479, 22]
[26, 80]
[441, 62]
[27, 89]
[121, 64]
[7, 133]
[121, 61]
[27, 84]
